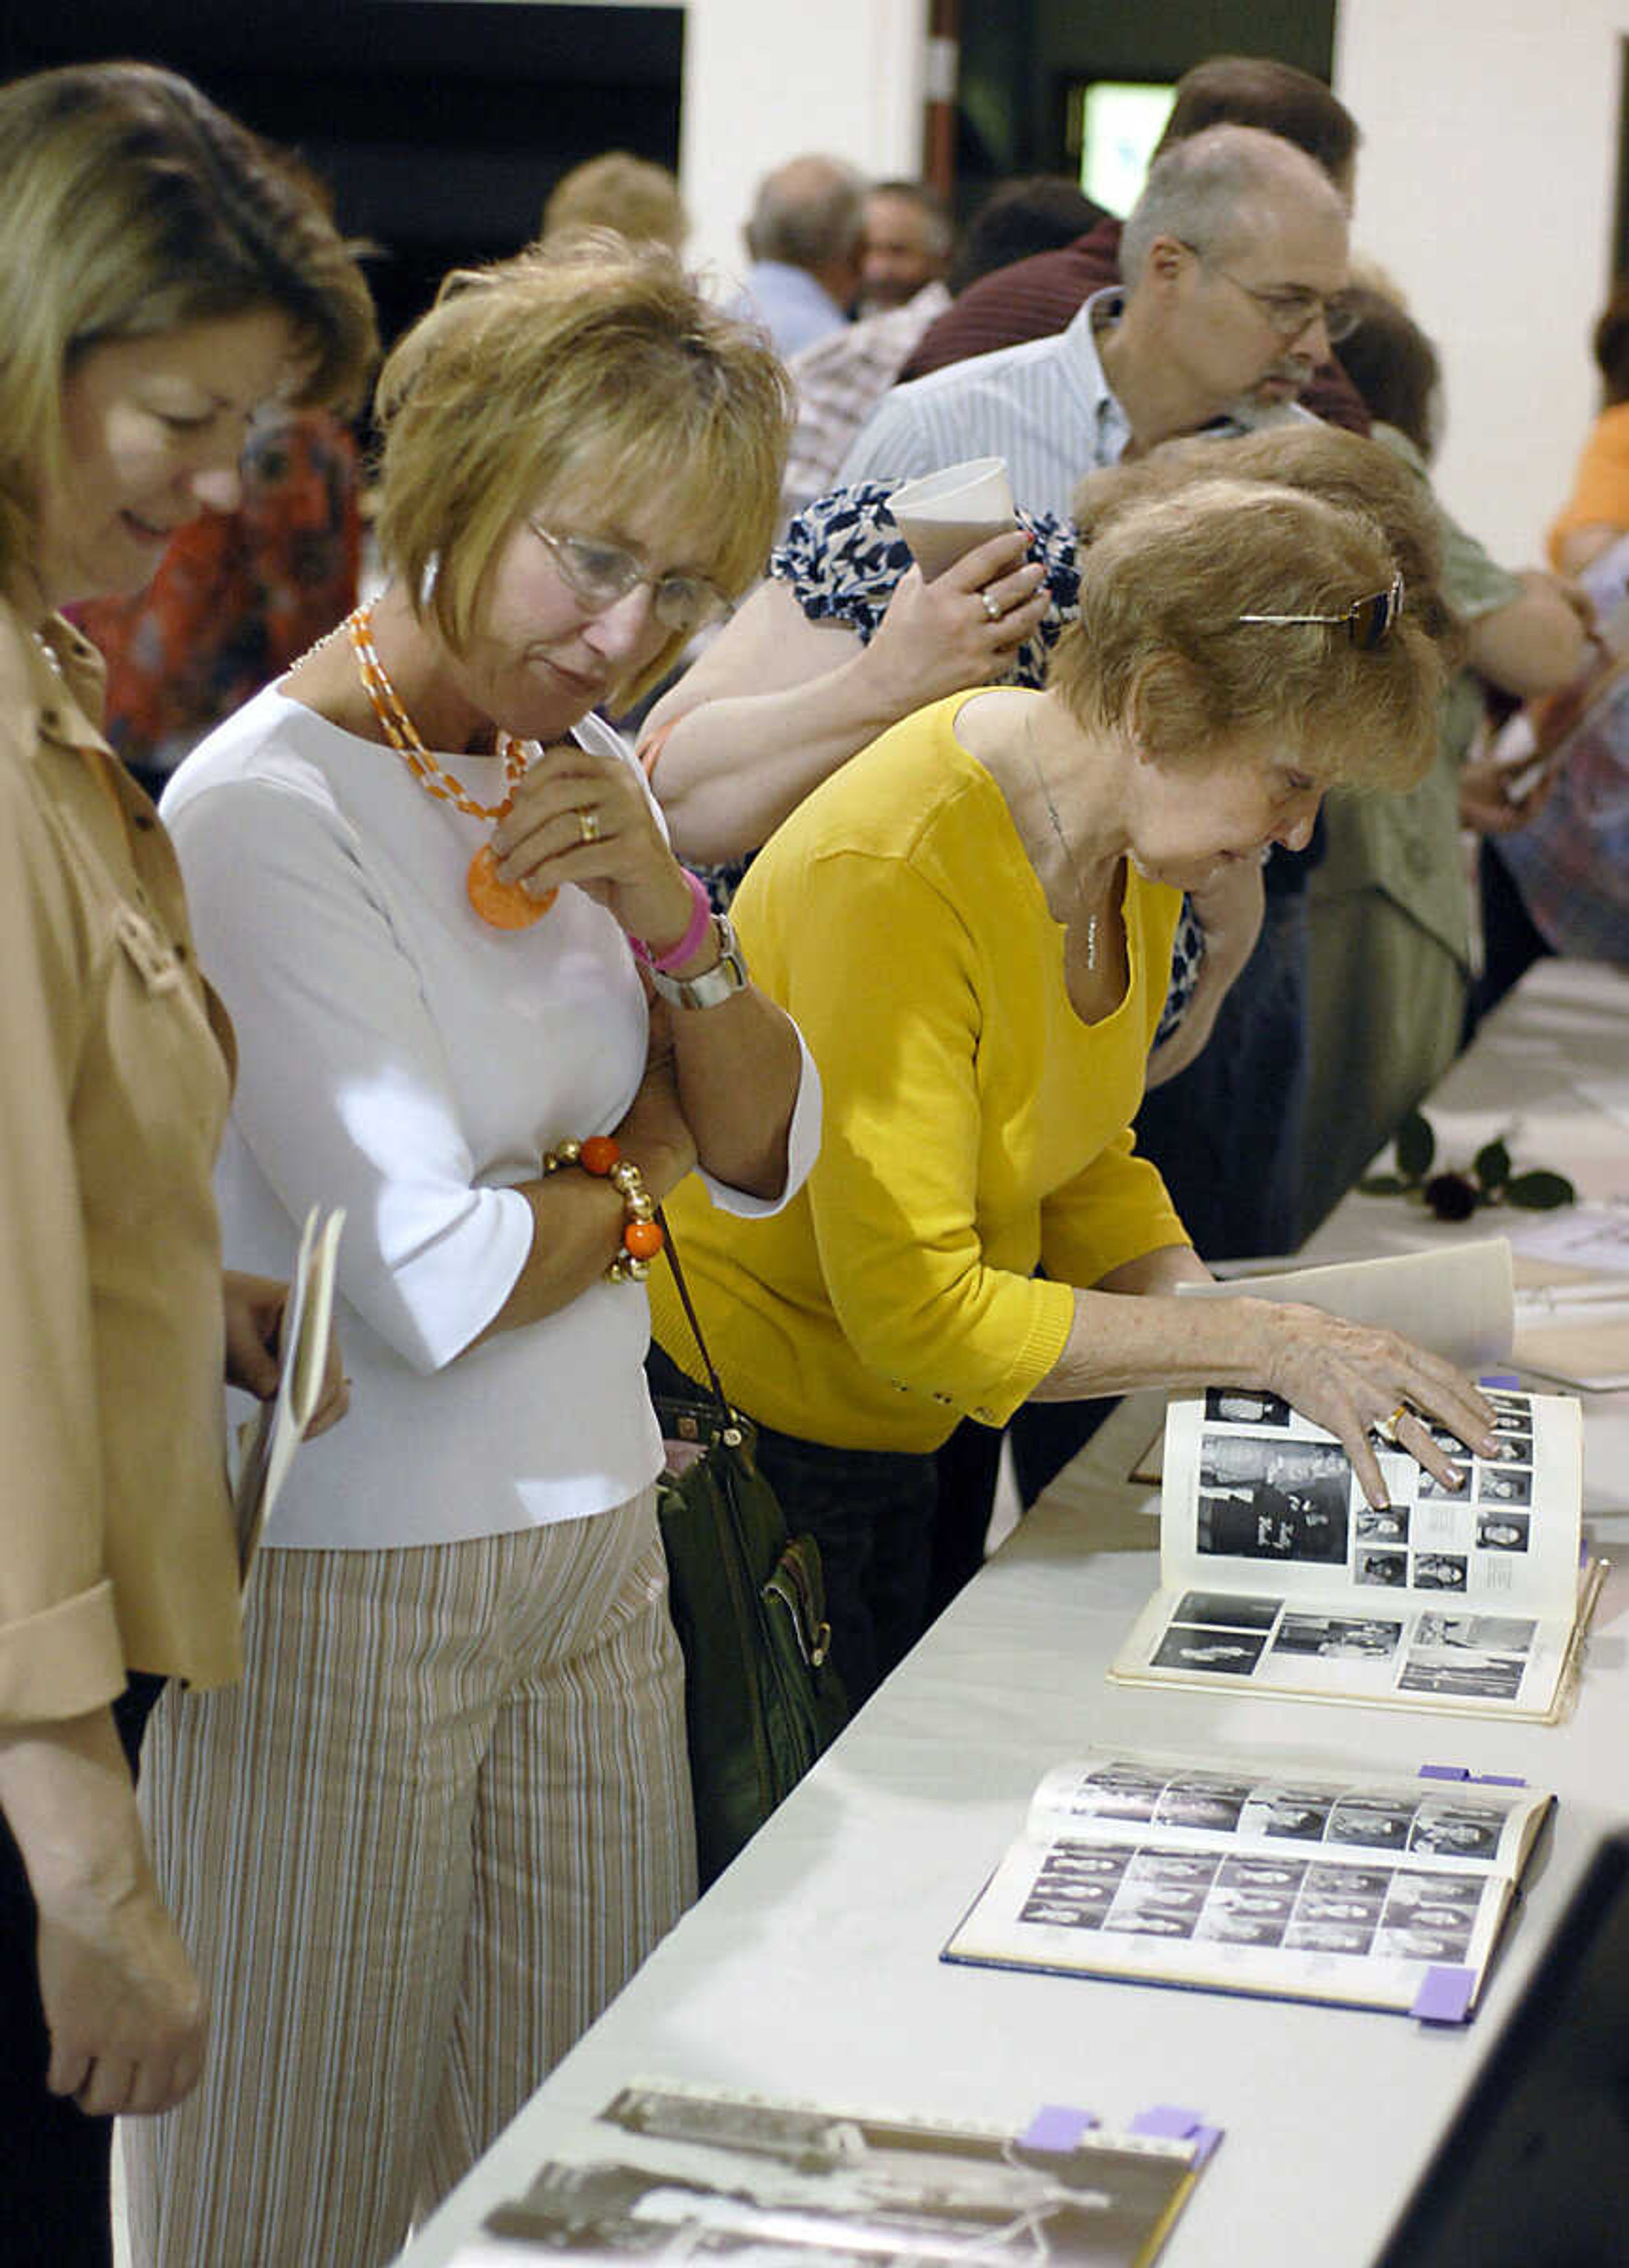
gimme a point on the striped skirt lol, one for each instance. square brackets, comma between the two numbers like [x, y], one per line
[440, 1824]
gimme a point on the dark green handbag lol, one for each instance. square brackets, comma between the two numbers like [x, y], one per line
[761, 1698]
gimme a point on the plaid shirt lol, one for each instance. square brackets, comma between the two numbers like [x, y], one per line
[840, 382]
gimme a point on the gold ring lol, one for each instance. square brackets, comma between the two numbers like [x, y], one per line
[588, 827]
[993, 611]
[1388, 1425]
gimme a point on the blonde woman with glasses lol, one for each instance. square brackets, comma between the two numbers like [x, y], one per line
[482, 1006]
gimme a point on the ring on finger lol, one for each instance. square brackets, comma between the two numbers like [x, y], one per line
[1388, 1426]
[587, 826]
[994, 609]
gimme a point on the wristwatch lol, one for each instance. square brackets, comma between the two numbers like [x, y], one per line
[716, 984]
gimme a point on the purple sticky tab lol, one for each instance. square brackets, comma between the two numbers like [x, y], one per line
[1444, 1771]
[1444, 1996]
[1499, 1779]
[1502, 1382]
[1205, 2139]
[1057, 2127]
[1167, 2120]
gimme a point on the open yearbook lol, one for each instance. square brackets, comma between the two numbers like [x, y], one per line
[671, 2173]
[1379, 1893]
[1277, 1576]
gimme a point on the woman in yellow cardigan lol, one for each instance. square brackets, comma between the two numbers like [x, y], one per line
[972, 921]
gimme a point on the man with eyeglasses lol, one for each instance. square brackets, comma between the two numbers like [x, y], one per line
[1234, 260]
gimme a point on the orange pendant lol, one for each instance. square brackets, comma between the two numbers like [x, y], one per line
[503, 905]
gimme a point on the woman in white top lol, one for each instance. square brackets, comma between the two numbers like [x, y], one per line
[449, 1814]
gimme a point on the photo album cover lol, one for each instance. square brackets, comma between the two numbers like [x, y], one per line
[1299, 1884]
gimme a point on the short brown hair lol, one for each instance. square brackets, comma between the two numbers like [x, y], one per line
[1257, 90]
[130, 206]
[1159, 646]
[595, 360]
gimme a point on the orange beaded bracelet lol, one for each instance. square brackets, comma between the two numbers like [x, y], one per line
[642, 1232]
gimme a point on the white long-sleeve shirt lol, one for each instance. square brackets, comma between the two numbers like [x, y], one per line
[401, 1058]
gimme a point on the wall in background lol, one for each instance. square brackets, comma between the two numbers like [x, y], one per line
[1487, 185]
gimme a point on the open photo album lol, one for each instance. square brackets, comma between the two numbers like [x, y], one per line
[1277, 1575]
[671, 2173]
[1385, 1893]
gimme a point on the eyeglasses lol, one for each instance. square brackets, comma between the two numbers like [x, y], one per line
[602, 574]
[1290, 309]
[1366, 621]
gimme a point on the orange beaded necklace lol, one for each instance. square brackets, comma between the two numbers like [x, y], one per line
[504, 905]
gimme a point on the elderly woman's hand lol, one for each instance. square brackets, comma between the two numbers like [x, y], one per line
[582, 817]
[938, 637]
[255, 1307]
[1353, 1378]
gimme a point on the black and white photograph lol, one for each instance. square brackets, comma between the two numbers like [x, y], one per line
[1224, 1925]
[1504, 1484]
[806, 2186]
[1440, 1571]
[1297, 1814]
[1285, 1874]
[1086, 1860]
[1338, 1637]
[1378, 1822]
[1413, 1942]
[1479, 1678]
[1515, 1448]
[1383, 1524]
[1207, 1800]
[1116, 1792]
[1245, 1406]
[1502, 1531]
[1324, 1879]
[1261, 1498]
[1148, 1921]
[1233, 1654]
[1458, 1830]
[1174, 1869]
[1227, 1610]
[1477, 1634]
[1428, 1485]
[1266, 1520]
[1350, 1937]
[1383, 1570]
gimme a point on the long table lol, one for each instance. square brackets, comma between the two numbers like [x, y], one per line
[811, 1969]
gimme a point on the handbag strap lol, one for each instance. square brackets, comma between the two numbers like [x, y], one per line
[690, 1316]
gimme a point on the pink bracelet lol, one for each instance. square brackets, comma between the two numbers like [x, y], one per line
[700, 914]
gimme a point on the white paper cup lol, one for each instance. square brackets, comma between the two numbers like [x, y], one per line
[943, 515]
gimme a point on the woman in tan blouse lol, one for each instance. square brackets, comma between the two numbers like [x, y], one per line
[161, 276]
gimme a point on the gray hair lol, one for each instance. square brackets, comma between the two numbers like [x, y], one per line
[1216, 189]
[808, 211]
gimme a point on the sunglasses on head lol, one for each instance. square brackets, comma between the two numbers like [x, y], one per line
[1368, 622]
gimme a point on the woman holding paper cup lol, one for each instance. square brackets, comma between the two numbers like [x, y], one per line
[161, 277]
[972, 920]
[482, 1006]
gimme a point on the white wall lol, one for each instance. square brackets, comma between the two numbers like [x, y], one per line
[1485, 185]
[766, 79]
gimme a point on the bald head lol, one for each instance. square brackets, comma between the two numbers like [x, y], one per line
[809, 213]
[1222, 191]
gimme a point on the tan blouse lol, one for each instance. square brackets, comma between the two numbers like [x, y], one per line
[115, 1544]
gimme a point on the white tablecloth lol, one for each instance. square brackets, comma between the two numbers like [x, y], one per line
[812, 1969]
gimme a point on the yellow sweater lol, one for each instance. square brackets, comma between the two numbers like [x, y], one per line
[974, 1125]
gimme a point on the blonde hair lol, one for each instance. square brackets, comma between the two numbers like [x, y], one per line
[592, 365]
[641, 201]
[1159, 649]
[130, 206]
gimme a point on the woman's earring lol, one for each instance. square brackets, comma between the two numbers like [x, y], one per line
[427, 581]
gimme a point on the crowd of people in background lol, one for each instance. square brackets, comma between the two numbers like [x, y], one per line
[967, 960]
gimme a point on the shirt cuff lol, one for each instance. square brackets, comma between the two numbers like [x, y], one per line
[64, 1661]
